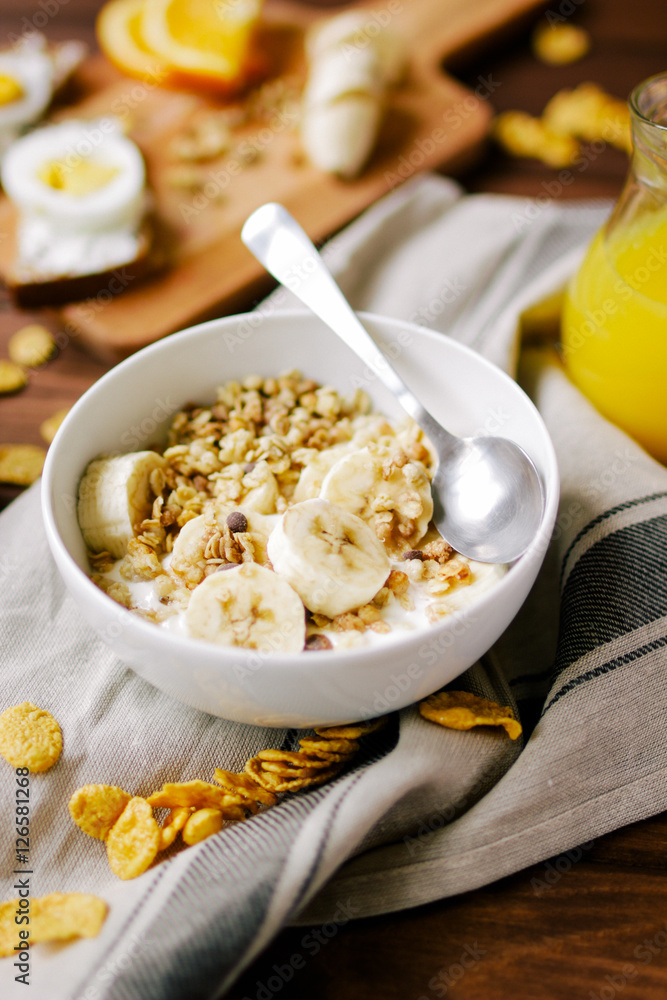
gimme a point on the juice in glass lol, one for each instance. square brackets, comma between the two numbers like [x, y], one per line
[615, 329]
[614, 324]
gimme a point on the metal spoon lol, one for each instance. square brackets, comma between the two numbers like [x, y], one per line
[488, 499]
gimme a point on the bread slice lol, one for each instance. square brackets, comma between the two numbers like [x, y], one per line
[31, 289]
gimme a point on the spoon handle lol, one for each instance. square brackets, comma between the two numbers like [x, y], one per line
[280, 244]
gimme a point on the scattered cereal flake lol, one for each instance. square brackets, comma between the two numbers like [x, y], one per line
[352, 731]
[559, 44]
[522, 135]
[278, 783]
[174, 822]
[588, 112]
[59, 916]
[198, 794]
[463, 710]
[30, 737]
[49, 427]
[96, 808]
[293, 759]
[328, 746]
[134, 840]
[541, 320]
[12, 377]
[244, 785]
[21, 464]
[290, 770]
[31, 346]
[201, 824]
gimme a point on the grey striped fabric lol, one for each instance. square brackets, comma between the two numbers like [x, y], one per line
[428, 812]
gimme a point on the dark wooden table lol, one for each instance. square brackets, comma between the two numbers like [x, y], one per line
[600, 931]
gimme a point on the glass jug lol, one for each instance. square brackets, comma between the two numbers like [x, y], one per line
[614, 324]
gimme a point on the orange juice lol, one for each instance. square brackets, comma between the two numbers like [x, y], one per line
[614, 328]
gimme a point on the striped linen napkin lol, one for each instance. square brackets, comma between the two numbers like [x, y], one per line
[426, 812]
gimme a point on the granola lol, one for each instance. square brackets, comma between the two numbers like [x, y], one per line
[216, 497]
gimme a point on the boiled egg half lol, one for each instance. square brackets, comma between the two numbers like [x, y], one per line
[79, 188]
[26, 88]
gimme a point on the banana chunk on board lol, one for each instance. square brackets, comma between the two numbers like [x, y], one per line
[354, 59]
[331, 558]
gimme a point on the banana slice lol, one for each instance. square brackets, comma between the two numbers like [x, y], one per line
[331, 558]
[114, 497]
[247, 606]
[188, 554]
[263, 491]
[366, 430]
[312, 475]
[385, 489]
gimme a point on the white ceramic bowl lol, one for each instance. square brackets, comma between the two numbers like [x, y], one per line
[129, 407]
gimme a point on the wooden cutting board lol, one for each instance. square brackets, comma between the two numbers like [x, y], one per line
[432, 121]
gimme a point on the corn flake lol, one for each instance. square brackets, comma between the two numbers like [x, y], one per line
[278, 783]
[49, 427]
[463, 710]
[96, 808]
[522, 135]
[30, 737]
[244, 785]
[327, 747]
[174, 822]
[294, 759]
[12, 377]
[559, 44]
[197, 794]
[588, 112]
[31, 346]
[56, 917]
[291, 771]
[21, 464]
[352, 732]
[202, 824]
[134, 840]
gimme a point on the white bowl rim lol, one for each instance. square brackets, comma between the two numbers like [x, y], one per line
[170, 642]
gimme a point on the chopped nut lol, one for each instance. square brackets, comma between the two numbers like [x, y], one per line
[439, 550]
[116, 590]
[398, 582]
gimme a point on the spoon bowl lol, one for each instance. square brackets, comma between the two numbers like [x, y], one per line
[487, 494]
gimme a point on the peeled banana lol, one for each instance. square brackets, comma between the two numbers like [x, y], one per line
[332, 559]
[247, 606]
[114, 497]
[353, 61]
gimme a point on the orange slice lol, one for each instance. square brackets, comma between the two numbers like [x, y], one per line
[118, 30]
[205, 41]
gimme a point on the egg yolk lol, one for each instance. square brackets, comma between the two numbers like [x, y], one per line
[10, 89]
[78, 179]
